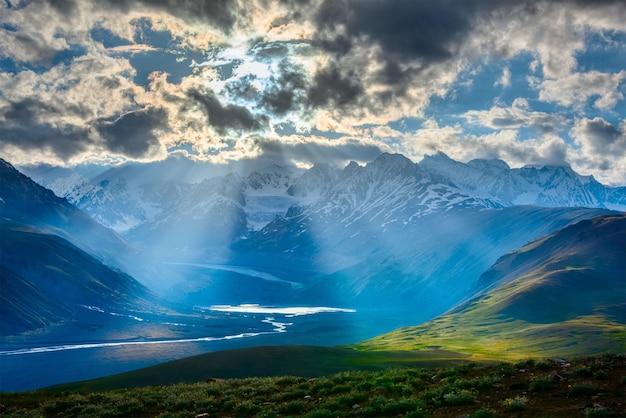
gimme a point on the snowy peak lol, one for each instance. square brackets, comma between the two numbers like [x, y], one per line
[272, 178]
[392, 165]
[314, 182]
[494, 166]
[548, 186]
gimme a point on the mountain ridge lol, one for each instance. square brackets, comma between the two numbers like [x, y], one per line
[490, 180]
[563, 294]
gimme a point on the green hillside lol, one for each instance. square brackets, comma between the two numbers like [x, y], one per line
[585, 387]
[564, 294]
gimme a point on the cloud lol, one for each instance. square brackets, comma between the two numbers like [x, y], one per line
[257, 151]
[330, 86]
[133, 134]
[225, 118]
[403, 29]
[286, 92]
[577, 89]
[506, 145]
[602, 149]
[515, 117]
[505, 78]
[86, 69]
[24, 127]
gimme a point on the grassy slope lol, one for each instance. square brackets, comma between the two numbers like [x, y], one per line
[589, 387]
[562, 295]
[268, 361]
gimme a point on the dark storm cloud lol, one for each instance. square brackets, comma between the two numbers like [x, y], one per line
[65, 7]
[133, 134]
[222, 14]
[32, 125]
[330, 86]
[23, 126]
[416, 32]
[409, 28]
[286, 92]
[224, 118]
[25, 112]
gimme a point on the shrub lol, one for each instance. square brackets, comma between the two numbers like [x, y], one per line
[293, 395]
[582, 389]
[514, 404]
[401, 406]
[583, 372]
[506, 369]
[418, 413]
[484, 413]
[319, 413]
[596, 412]
[287, 380]
[340, 389]
[463, 397]
[543, 366]
[602, 375]
[525, 364]
[541, 384]
[295, 407]
[247, 408]
[351, 399]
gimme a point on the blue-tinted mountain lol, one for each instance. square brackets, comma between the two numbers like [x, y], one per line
[132, 195]
[548, 186]
[27, 204]
[388, 235]
[46, 280]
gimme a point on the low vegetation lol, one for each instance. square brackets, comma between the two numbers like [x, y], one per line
[590, 386]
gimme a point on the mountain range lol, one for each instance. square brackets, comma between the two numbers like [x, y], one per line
[393, 238]
[128, 198]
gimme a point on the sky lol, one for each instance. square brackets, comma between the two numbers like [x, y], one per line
[303, 81]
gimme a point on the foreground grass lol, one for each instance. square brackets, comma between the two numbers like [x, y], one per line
[591, 386]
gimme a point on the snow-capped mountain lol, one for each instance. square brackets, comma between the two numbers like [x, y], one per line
[314, 182]
[548, 186]
[211, 214]
[266, 194]
[115, 203]
[391, 191]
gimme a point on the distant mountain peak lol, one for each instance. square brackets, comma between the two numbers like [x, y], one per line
[393, 163]
[491, 163]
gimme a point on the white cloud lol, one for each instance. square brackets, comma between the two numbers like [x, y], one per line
[576, 89]
[516, 116]
[504, 145]
[505, 78]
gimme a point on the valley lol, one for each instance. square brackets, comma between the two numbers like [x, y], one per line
[356, 257]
